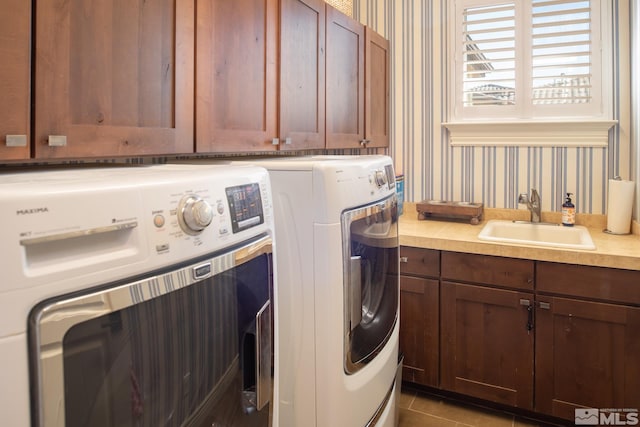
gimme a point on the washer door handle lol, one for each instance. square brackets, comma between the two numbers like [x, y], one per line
[355, 291]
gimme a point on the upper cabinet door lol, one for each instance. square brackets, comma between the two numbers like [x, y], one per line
[236, 66]
[114, 77]
[377, 90]
[345, 81]
[15, 75]
[302, 74]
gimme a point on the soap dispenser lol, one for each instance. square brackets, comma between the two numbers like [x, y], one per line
[568, 212]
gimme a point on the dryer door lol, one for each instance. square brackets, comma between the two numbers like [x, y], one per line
[370, 256]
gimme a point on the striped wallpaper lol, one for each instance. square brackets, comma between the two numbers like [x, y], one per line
[491, 175]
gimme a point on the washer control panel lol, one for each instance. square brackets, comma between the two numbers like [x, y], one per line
[74, 223]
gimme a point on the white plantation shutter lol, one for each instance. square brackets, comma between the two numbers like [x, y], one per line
[527, 60]
[488, 52]
[561, 52]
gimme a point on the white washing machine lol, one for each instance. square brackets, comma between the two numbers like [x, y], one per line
[136, 296]
[337, 356]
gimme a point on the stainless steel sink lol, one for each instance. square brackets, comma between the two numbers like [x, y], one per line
[538, 234]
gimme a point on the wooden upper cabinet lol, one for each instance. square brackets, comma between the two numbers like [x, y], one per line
[15, 75]
[377, 81]
[302, 74]
[345, 81]
[114, 78]
[236, 66]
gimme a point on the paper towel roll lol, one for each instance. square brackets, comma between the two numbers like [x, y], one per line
[619, 206]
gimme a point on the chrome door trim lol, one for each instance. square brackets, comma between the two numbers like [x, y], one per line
[376, 210]
[53, 320]
[376, 416]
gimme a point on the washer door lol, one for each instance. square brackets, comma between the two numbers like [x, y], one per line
[370, 256]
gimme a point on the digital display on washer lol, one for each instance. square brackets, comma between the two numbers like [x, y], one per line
[391, 179]
[245, 204]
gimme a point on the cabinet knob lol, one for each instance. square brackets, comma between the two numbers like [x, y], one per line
[287, 140]
[275, 141]
[364, 142]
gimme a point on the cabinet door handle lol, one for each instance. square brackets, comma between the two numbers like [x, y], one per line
[545, 305]
[527, 303]
[57, 140]
[529, 318]
[16, 140]
[404, 259]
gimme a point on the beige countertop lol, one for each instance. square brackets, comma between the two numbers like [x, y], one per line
[611, 250]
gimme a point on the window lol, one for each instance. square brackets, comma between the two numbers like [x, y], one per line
[536, 63]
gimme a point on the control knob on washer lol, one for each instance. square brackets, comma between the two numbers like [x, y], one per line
[194, 214]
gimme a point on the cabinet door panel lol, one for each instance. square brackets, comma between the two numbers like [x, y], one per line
[15, 76]
[236, 105]
[589, 282]
[489, 270]
[377, 80]
[345, 81]
[586, 356]
[487, 351]
[419, 262]
[302, 74]
[114, 76]
[419, 330]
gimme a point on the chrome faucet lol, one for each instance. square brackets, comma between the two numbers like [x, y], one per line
[533, 204]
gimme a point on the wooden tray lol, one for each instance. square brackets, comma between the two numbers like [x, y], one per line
[450, 210]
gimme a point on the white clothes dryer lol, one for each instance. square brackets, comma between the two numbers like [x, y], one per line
[336, 219]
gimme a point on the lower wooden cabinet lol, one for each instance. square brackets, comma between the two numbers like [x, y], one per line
[419, 330]
[420, 315]
[587, 355]
[568, 339]
[487, 343]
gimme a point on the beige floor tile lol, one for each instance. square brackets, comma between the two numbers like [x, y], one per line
[406, 398]
[460, 413]
[524, 422]
[409, 418]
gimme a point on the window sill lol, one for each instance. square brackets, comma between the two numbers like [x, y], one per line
[531, 134]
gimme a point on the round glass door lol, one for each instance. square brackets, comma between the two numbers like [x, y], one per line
[370, 257]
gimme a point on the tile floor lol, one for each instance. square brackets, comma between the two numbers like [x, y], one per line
[422, 410]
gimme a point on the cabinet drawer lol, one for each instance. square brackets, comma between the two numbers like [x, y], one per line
[489, 270]
[419, 261]
[603, 283]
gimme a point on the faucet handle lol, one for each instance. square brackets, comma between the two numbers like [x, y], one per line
[523, 198]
